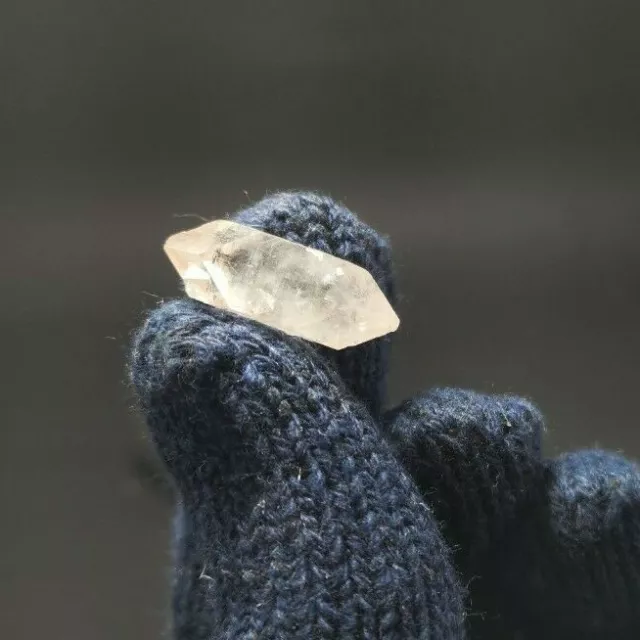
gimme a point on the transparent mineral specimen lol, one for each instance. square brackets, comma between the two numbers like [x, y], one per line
[300, 291]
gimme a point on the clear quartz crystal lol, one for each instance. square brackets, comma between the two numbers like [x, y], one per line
[300, 291]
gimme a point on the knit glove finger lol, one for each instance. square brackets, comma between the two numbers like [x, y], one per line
[550, 548]
[321, 223]
[475, 457]
[575, 571]
[296, 520]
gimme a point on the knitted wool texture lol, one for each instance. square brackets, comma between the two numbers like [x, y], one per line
[296, 520]
[306, 513]
[550, 548]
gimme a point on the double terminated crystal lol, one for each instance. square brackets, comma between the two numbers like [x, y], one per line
[300, 291]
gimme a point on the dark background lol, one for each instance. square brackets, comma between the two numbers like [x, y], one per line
[497, 142]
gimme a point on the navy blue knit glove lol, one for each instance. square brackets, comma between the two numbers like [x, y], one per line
[295, 519]
[296, 516]
[550, 548]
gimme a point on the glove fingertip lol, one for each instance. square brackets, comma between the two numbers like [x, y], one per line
[321, 223]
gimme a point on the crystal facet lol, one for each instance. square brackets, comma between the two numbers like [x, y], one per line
[298, 290]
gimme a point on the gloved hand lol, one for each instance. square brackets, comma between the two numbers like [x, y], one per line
[306, 513]
[295, 518]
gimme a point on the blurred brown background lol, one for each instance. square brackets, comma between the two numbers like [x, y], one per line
[497, 142]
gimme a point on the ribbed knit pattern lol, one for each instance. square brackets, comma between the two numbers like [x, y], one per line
[306, 512]
[476, 458]
[295, 519]
[550, 548]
